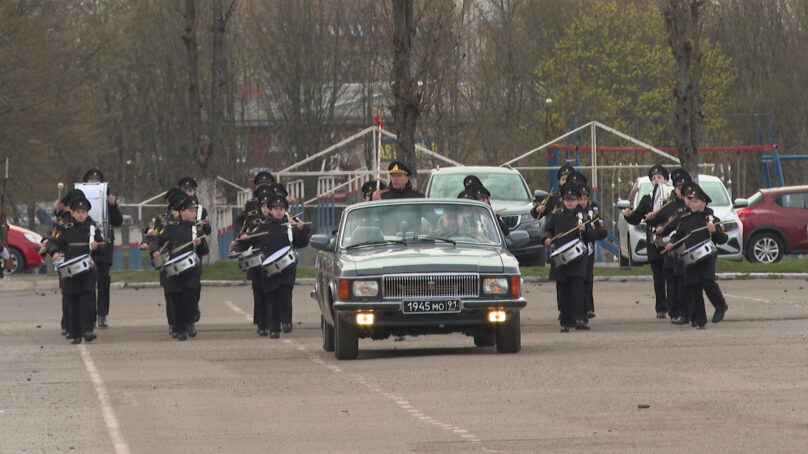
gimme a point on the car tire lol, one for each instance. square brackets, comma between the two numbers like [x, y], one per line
[485, 340]
[328, 335]
[18, 262]
[509, 335]
[346, 339]
[765, 247]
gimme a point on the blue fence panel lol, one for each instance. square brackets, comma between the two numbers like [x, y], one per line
[135, 258]
[117, 259]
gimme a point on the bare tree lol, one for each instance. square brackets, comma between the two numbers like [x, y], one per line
[684, 34]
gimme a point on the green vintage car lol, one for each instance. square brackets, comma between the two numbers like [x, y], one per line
[418, 266]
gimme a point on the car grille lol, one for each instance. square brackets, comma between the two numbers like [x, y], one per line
[512, 220]
[431, 286]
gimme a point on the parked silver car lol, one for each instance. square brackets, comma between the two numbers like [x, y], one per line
[632, 237]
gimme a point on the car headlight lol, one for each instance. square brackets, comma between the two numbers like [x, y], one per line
[365, 288]
[495, 285]
[32, 237]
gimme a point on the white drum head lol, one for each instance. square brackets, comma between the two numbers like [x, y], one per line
[276, 255]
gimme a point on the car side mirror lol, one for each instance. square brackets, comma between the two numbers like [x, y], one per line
[539, 195]
[322, 242]
[740, 203]
[517, 239]
[623, 204]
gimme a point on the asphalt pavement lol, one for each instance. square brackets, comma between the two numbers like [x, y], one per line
[634, 384]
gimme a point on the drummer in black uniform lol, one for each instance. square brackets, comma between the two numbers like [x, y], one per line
[183, 288]
[104, 255]
[566, 225]
[552, 200]
[595, 232]
[697, 227]
[669, 214]
[70, 240]
[400, 186]
[279, 231]
[645, 212]
[248, 224]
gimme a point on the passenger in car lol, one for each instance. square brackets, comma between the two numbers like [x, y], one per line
[481, 194]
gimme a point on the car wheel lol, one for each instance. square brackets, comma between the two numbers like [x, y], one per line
[509, 335]
[328, 335]
[485, 340]
[17, 260]
[765, 248]
[346, 339]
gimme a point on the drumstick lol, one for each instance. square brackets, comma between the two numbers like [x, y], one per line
[59, 186]
[183, 246]
[85, 244]
[565, 233]
[252, 236]
[696, 230]
[304, 222]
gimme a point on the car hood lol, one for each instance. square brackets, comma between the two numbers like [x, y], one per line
[510, 207]
[424, 259]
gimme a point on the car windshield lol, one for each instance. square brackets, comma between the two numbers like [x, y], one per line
[506, 187]
[461, 223]
[714, 189]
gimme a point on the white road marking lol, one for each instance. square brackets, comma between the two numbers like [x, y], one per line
[746, 298]
[415, 413]
[110, 420]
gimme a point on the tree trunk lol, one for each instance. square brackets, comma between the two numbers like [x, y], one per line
[684, 32]
[405, 110]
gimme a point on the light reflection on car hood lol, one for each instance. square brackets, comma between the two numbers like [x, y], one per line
[427, 258]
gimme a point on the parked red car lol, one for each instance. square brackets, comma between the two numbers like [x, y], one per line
[775, 223]
[23, 245]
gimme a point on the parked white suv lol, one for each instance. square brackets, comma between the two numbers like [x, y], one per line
[632, 237]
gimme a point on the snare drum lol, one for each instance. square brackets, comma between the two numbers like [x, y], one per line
[75, 266]
[698, 252]
[249, 260]
[159, 261]
[181, 264]
[279, 261]
[568, 253]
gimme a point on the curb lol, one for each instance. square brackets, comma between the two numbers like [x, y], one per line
[53, 284]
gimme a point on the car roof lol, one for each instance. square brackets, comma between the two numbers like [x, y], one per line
[469, 170]
[784, 189]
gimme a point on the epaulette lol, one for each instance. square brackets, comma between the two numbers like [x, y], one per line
[172, 222]
[558, 209]
[66, 225]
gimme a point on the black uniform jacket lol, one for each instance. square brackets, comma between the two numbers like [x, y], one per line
[248, 223]
[173, 234]
[276, 238]
[550, 203]
[596, 230]
[407, 193]
[105, 251]
[705, 269]
[669, 216]
[563, 220]
[63, 235]
[645, 206]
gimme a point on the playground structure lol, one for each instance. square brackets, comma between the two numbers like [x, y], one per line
[610, 171]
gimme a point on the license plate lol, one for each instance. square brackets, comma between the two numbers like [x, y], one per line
[431, 307]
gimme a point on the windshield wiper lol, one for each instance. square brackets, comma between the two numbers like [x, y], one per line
[373, 243]
[434, 238]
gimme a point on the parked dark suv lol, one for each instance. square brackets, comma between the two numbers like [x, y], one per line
[775, 223]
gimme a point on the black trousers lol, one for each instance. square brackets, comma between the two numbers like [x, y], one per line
[183, 309]
[658, 272]
[589, 283]
[273, 304]
[169, 308]
[65, 313]
[571, 295]
[79, 313]
[258, 304]
[102, 277]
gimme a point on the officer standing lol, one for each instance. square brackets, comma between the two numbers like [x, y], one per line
[104, 255]
[71, 240]
[400, 186]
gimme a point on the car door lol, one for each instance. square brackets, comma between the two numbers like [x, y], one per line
[794, 218]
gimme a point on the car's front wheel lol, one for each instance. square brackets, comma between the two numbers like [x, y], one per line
[346, 339]
[328, 335]
[765, 248]
[509, 335]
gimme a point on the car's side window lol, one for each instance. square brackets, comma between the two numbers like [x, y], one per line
[794, 200]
